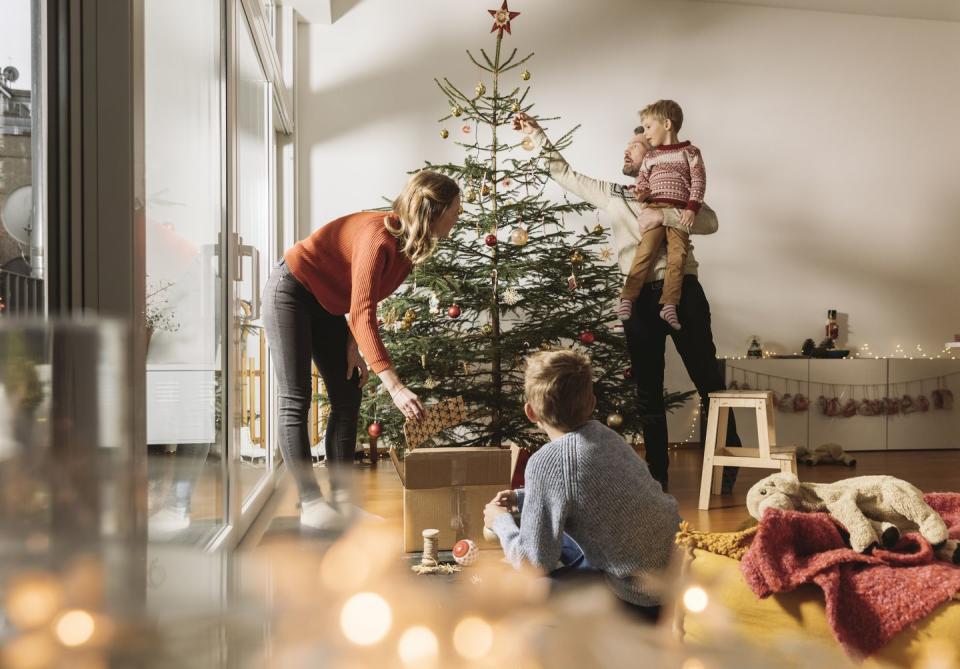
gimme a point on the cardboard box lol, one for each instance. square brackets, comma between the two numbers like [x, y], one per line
[446, 489]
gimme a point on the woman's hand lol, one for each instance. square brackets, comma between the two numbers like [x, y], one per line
[524, 123]
[356, 362]
[408, 403]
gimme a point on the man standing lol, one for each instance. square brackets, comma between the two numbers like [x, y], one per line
[645, 331]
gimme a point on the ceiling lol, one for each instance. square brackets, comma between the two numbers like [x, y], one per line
[936, 10]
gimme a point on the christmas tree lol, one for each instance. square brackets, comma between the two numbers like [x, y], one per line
[510, 280]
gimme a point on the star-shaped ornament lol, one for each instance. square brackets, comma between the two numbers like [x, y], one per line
[502, 18]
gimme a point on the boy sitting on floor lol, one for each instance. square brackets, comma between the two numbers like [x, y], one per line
[590, 502]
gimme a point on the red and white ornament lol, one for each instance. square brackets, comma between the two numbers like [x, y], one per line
[375, 429]
[454, 311]
[465, 552]
[490, 240]
[628, 373]
[587, 337]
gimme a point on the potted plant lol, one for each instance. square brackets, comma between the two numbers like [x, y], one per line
[159, 315]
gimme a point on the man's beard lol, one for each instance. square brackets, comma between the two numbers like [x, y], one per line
[630, 171]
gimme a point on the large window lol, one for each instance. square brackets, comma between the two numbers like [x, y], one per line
[22, 224]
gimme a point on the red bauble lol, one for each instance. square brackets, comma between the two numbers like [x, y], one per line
[375, 429]
[628, 373]
[453, 311]
[587, 337]
[491, 240]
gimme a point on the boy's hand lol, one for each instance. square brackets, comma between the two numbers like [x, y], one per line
[624, 310]
[491, 512]
[686, 219]
[506, 498]
[524, 123]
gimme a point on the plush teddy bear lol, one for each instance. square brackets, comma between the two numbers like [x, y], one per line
[867, 506]
[825, 454]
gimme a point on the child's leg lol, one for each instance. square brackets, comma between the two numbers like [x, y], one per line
[677, 243]
[571, 555]
[646, 253]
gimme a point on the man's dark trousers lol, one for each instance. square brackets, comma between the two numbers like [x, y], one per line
[646, 336]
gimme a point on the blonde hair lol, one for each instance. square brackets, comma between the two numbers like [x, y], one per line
[559, 387]
[425, 198]
[664, 110]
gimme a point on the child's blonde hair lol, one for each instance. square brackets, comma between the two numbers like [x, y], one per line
[559, 387]
[424, 199]
[664, 110]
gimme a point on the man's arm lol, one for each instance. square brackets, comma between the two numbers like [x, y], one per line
[705, 222]
[594, 191]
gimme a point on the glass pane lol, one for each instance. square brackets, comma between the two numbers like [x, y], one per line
[184, 184]
[255, 225]
[21, 228]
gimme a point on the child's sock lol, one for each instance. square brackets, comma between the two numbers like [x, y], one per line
[669, 314]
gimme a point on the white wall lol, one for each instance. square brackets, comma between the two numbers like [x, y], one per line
[830, 141]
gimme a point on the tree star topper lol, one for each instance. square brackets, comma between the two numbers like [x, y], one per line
[502, 18]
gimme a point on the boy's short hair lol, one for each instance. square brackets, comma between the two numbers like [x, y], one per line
[663, 110]
[559, 387]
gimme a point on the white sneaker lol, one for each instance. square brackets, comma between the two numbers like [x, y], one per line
[166, 522]
[319, 515]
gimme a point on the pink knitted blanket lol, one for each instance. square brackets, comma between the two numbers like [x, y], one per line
[869, 598]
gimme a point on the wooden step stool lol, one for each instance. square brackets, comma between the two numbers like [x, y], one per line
[768, 456]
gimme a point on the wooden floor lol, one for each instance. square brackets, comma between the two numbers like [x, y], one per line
[378, 489]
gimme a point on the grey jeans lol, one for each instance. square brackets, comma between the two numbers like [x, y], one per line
[300, 330]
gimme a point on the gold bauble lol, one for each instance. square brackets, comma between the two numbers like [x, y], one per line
[525, 75]
[598, 229]
[485, 190]
[487, 330]
[444, 133]
[614, 420]
[515, 107]
[471, 195]
[457, 111]
[519, 236]
[410, 315]
[480, 89]
[576, 257]
[406, 325]
[528, 143]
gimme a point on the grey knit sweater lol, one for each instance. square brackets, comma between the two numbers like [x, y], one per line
[590, 484]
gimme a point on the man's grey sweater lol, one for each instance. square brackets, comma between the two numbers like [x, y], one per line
[590, 484]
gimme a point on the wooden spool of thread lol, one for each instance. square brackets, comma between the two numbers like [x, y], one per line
[430, 557]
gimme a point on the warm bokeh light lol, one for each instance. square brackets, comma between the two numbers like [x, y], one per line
[33, 599]
[75, 628]
[693, 663]
[473, 638]
[365, 618]
[418, 647]
[695, 599]
[37, 650]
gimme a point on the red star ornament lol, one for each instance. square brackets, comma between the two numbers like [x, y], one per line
[502, 18]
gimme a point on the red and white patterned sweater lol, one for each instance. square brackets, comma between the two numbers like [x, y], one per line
[673, 174]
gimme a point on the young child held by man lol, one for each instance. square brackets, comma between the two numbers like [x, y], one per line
[590, 502]
[671, 175]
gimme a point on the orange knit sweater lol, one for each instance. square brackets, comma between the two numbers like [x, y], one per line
[349, 265]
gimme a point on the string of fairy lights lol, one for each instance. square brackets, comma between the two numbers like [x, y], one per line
[864, 353]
